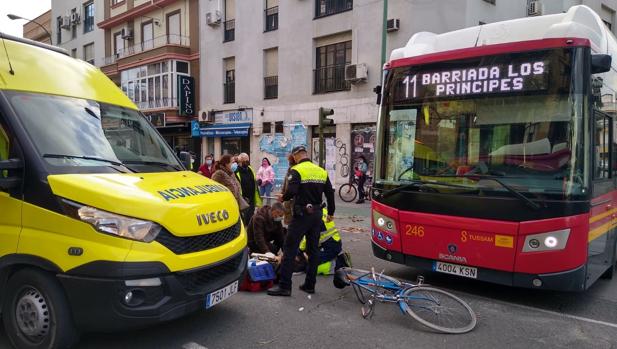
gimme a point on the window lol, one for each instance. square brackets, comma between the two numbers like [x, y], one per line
[330, 7]
[271, 15]
[603, 135]
[116, 2]
[330, 67]
[492, 2]
[607, 24]
[278, 127]
[74, 53]
[266, 127]
[147, 35]
[174, 34]
[88, 17]
[271, 73]
[154, 85]
[118, 44]
[59, 30]
[229, 32]
[73, 24]
[89, 53]
[229, 88]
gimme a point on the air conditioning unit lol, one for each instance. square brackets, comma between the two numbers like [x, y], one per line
[356, 72]
[65, 22]
[127, 33]
[393, 24]
[74, 18]
[206, 116]
[534, 8]
[213, 18]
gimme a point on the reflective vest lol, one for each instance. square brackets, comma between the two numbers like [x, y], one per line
[330, 232]
[257, 197]
[311, 173]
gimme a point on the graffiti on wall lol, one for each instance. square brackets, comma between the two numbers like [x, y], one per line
[276, 148]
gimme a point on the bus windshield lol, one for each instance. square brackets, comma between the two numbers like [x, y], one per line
[516, 117]
[71, 132]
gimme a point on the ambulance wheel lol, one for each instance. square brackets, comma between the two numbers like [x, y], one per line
[36, 313]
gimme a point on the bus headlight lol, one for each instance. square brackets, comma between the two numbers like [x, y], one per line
[114, 224]
[551, 241]
[384, 222]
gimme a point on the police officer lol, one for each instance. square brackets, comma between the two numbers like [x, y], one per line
[307, 183]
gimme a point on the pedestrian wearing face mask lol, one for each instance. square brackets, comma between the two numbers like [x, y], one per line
[265, 232]
[207, 168]
[224, 174]
[248, 186]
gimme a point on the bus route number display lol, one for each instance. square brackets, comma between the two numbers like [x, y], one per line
[494, 79]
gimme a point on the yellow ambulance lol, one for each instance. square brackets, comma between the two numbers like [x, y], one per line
[101, 228]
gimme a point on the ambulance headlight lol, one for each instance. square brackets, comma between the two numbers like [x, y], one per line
[114, 224]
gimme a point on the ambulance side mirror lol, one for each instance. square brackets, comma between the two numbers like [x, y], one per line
[9, 182]
[600, 63]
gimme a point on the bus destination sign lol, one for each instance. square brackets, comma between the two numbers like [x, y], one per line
[495, 79]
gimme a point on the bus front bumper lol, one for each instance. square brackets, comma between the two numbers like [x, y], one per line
[570, 280]
[101, 303]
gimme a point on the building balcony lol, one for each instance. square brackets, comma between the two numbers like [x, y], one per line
[330, 79]
[173, 42]
[271, 87]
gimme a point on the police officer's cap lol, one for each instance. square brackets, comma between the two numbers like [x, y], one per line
[298, 149]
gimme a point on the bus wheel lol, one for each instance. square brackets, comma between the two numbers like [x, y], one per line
[36, 314]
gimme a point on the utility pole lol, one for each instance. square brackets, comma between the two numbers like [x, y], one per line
[323, 122]
[384, 32]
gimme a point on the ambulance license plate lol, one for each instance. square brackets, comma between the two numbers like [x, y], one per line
[218, 296]
[455, 269]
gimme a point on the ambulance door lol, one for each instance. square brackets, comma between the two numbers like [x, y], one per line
[10, 193]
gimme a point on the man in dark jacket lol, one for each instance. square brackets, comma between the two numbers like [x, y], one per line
[265, 231]
[250, 192]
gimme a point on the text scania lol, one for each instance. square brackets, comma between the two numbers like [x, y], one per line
[482, 80]
[182, 192]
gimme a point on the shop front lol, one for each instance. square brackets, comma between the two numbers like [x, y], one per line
[229, 134]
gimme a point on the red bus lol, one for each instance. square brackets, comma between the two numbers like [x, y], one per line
[496, 153]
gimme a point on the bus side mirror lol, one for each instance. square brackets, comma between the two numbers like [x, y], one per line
[7, 183]
[600, 63]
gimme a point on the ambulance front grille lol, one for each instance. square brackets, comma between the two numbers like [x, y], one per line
[196, 281]
[190, 244]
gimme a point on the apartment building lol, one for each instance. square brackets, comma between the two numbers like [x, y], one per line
[268, 66]
[33, 31]
[74, 28]
[151, 50]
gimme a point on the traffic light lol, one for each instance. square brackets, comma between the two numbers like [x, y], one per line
[323, 117]
[323, 122]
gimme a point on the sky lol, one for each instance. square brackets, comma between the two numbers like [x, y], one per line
[25, 8]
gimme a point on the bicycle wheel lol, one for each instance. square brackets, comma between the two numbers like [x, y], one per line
[439, 310]
[347, 192]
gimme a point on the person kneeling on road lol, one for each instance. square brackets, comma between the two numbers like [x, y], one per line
[331, 255]
[265, 231]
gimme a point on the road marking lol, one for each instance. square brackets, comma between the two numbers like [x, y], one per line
[193, 345]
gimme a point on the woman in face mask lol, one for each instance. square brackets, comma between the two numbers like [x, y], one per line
[224, 174]
[207, 168]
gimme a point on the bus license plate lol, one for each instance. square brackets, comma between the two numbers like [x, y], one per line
[218, 296]
[455, 269]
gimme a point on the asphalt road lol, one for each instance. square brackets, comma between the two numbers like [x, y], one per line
[507, 317]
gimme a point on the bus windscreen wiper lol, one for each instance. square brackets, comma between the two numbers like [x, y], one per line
[86, 157]
[419, 183]
[153, 163]
[513, 191]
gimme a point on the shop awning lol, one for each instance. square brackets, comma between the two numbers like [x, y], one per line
[224, 130]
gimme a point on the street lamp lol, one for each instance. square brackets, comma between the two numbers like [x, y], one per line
[14, 17]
